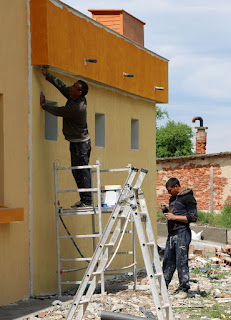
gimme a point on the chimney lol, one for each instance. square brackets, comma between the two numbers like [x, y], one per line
[121, 22]
[201, 137]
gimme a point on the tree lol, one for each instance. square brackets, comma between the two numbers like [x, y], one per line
[161, 113]
[174, 140]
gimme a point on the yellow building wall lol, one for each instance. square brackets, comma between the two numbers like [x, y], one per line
[63, 38]
[14, 237]
[57, 46]
[118, 109]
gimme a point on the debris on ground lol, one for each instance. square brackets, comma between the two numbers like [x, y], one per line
[209, 297]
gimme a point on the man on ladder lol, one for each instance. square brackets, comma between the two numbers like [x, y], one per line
[75, 130]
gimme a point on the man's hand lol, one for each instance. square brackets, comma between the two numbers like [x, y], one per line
[163, 206]
[44, 71]
[170, 216]
[42, 99]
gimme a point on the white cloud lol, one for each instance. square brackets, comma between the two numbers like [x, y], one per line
[202, 77]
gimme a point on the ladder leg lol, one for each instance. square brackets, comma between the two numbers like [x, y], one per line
[98, 254]
[155, 254]
[134, 253]
[148, 264]
[154, 259]
[100, 217]
[57, 230]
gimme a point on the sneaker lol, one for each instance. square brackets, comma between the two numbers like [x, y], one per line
[181, 295]
[80, 204]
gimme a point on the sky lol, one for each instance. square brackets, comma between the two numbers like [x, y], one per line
[195, 36]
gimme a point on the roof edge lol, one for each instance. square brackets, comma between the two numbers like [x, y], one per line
[196, 156]
[98, 24]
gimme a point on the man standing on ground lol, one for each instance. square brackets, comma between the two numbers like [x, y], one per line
[75, 130]
[182, 210]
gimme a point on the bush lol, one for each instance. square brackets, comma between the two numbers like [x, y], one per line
[222, 219]
[226, 215]
[206, 218]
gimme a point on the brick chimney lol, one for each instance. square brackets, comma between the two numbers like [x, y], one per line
[121, 22]
[201, 137]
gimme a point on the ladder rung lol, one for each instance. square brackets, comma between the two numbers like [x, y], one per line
[150, 244]
[79, 190]
[84, 301]
[165, 306]
[109, 244]
[123, 252]
[81, 236]
[73, 282]
[157, 275]
[70, 282]
[98, 272]
[126, 232]
[88, 190]
[87, 212]
[76, 259]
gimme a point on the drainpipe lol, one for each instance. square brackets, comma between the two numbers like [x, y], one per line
[201, 136]
[30, 153]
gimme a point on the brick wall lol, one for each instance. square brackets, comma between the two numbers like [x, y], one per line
[195, 172]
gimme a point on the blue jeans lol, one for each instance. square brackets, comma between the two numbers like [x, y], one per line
[176, 257]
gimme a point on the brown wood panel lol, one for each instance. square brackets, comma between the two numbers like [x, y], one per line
[8, 215]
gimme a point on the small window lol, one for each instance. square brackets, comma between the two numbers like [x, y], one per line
[134, 134]
[99, 130]
[51, 124]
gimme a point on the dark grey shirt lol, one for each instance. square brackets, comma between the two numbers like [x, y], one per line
[184, 204]
[74, 113]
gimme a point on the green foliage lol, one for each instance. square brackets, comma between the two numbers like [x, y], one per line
[206, 218]
[226, 215]
[161, 113]
[213, 311]
[222, 219]
[174, 140]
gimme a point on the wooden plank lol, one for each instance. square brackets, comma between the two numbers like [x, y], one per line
[8, 215]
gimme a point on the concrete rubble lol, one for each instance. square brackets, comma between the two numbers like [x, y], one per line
[210, 274]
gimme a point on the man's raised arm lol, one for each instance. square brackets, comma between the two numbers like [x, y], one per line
[56, 111]
[61, 86]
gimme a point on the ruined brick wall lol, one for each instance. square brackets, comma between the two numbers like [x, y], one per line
[195, 172]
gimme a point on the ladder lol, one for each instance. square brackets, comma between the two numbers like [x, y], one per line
[128, 199]
[94, 212]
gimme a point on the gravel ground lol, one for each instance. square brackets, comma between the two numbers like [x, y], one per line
[209, 296]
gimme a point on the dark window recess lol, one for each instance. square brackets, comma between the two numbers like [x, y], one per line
[51, 124]
[100, 130]
[135, 134]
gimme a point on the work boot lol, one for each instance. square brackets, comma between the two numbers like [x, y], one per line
[181, 295]
[81, 204]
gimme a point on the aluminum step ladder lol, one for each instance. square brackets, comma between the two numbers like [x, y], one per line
[152, 261]
[95, 212]
[128, 199]
[60, 212]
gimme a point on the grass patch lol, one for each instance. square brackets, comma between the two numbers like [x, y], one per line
[211, 311]
[222, 219]
[226, 215]
[160, 215]
[215, 311]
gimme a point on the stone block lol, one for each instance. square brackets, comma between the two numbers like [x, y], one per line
[209, 252]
